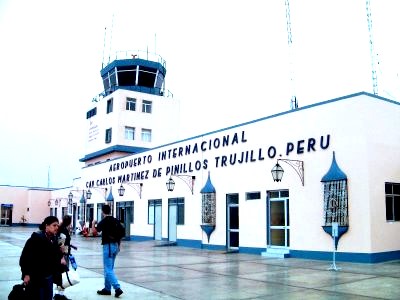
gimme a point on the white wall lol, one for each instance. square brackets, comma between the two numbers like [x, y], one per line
[365, 137]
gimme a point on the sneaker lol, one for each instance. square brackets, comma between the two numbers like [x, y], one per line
[104, 292]
[118, 293]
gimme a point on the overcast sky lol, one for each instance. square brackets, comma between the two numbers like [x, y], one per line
[227, 61]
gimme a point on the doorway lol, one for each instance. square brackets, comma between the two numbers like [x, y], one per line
[155, 218]
[125, 215]
[6, 214]
[232, 215]
[176, 216]
[278, 225]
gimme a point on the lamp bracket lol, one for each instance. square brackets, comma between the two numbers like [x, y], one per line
[97, 189]
[297, 165]
[137, 187]
[188, 179]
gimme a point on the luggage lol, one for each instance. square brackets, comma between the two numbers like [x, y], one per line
[18, 292]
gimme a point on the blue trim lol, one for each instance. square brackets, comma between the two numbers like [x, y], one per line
[341, 230]
[304, 254]
[128, 149]
[208, 187]
[30, 225]
[140, 238]
[334, 173]
[347, 256]
[213, 247]
[251, 250]
[188, 243]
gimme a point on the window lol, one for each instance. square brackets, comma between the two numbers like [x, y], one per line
[91, 113]
[336, 203]
[131, 104]
[146, 135]
[110, 105]
[146, 106]
[392, 192]
[129, 133]
[253, 195]
[180, 211]
[108, 135]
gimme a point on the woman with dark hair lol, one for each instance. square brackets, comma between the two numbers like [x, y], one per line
[64, 241]
[41, 259]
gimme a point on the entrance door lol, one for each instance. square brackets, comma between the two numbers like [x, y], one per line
[232, 213]
[278, 219]
[6, 214]
[124, 212]
[172, 218]
[157, 221]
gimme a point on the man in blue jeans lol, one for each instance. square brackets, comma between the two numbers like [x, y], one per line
[110, 244]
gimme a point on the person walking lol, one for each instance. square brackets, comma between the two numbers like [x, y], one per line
[64, 241]
[110, 241]
[41, 259]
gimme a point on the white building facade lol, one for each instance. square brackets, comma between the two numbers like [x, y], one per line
[225, 198]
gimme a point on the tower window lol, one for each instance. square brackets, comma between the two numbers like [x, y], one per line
[129, 133]
[131, 104]
[146, 135]
[146, 106]
[91, 113]
[110, 105]
[108, 135]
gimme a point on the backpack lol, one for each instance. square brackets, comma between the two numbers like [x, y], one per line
[117, 231]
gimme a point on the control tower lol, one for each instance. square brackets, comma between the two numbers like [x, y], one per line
[134, 112]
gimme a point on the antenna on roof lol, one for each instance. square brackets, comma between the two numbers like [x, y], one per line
[293, 101]
[112, 26]
[104, 46]
[48, 177]
[155, 43]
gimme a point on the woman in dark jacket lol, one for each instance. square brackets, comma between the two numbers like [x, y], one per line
[41, 259]
[64, 241]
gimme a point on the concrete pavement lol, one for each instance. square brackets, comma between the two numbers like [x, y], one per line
[149, 272]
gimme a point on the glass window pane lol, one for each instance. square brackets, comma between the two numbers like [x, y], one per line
[151, 212]
[388, 188]
[389, 208]
[181, 214]
[234, 217]
[396, 205]
[277, 213]
[274, 194]
[284, 194]
[396, 189]
[278, 237]
[253, 195]
[233, 199]
[234, 239]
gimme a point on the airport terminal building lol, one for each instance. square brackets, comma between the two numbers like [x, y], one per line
[279, 186]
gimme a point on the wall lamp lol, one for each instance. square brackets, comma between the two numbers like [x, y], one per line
[189, 180]
[137, 186]
[57, 202]
[298, 165]
[89, 193]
